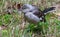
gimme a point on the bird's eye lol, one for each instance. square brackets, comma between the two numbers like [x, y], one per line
[23, 8]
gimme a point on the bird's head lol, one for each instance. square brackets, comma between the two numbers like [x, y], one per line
[28, 8]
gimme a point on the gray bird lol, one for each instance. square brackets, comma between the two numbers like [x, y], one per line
[34, 14]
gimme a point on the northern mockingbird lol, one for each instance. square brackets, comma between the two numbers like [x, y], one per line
[34, 14]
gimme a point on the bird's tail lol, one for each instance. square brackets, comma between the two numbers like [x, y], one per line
[48, 9]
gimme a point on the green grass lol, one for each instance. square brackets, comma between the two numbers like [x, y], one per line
[48, 29]
[17, 32]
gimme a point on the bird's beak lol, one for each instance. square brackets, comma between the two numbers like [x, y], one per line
[20, 9]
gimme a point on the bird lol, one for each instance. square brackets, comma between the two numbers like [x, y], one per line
[33, 14]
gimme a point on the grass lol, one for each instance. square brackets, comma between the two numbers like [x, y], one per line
[16, 28]
[49, 28]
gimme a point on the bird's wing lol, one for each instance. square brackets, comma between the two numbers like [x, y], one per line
[33, 17]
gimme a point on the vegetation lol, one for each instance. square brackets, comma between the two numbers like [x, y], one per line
[15, 26]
